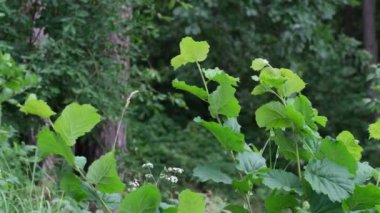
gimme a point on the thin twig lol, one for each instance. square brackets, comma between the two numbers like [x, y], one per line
[122, 116]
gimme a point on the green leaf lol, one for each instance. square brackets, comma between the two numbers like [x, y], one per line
[363, 198]
[220, 76]
[250, 162]
[276, 203]
[320, 203]
[199, 92]
[223, 101]
[293, 84]
[50, 143]
[232, 123]
[145, 199]
[282, 180]
[321, 120]
[287, 146]
[330, 179]
[260, 89]
[303, 105]
[205, 173]
[271, 77]
[191, 202]
[244, 185]
[75, 121]
[235, 209]
[272, 115]
[72, 185]
[351, 144]
[295, 116]
[225, 135]
[374, 130]
[364, 173]
[80, 161]
[190, 51]
[329, 149]
[103, 174]
[36, 107]
[258, 64]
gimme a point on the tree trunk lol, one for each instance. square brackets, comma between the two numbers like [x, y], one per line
[109, 129]
[369, 28]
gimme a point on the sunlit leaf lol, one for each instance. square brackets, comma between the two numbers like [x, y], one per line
[258, 64]
[199, 92]
[191, 202]
[75, 121]
[36, 107]
[363, 198]
[103, 174]
[145, 199]
[50, 143]
[225, 135]
[272, 115]
[190, 51]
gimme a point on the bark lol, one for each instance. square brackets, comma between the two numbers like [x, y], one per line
[109, 128]
[369, 28]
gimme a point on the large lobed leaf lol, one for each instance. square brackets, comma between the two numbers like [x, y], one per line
[103, 174]
[272, 115]
[329, 149]
[75, 121]
[374, 130]
[363, 198]
[330, 179]
[277, 203]
[145, 199]
[72, 185]
[279, 179]
[36, 107]
[258, 64]
[223, 101]
[225, 135]
[293, 84]
[199, 92]
[351, 144]
[190, 51]
[191, 202]
[250, 161]
[50, 143]
[205, 173]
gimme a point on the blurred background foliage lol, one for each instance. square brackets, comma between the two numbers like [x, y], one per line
[97, 51]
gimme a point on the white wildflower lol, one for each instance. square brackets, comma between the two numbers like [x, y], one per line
[148, 176]
[134, 183]
[172, 179]
[175, 170]
[147, 165]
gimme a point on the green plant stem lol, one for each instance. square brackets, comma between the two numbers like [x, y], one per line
[278, 96]
[94, 191]
[220, 122]
[34, 171]
[203, 78]
[241, 176]
[298, 162]
[265, 146]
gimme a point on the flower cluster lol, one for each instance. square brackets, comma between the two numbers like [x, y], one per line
[133, 184]
[175, 170]
[148, 165]
[172, 179]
